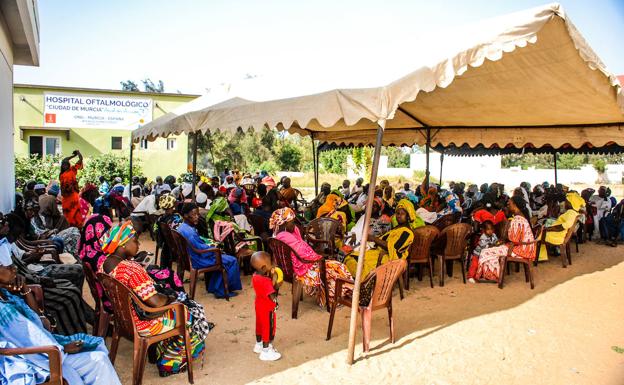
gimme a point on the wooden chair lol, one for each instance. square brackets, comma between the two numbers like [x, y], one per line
[102, 317]
[386, 277]
[184, 263]
[54, 354]
[454, 249]
[145, 220]
[506, 260]
[123, 300]
[420, 252]
[283, 255]
[321, 234]
[164, 234]
[564, 248]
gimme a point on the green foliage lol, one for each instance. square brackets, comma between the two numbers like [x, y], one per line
[148, 86]
[396, 157]
[334, 161]
[36, 168]
[289, 157]
[564, 161]
[129, 85]
[109, 166]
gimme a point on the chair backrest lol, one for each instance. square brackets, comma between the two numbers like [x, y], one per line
[386, 275]
[445, 221]
[93, 285]
[164, 233]
[571, 230]
[423, 238]
[502, 228]
[121, 297]
[456, 238]
[182, 251]
[282, 254]
[326, 229]
[260, 225]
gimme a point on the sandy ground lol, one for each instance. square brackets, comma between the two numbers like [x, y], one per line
[560, 333]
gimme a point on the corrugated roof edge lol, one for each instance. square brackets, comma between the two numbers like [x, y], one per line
[82, 89]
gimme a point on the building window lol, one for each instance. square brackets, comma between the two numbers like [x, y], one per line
[116, 143]
[171, 144]
[44, 145]
[143, 144]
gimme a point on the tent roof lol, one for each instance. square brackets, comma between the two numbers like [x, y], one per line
[503, 81]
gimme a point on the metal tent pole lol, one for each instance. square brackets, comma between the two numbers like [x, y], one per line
[130, 182]
[194, 163]
[427, 148]
[315, 161]
[358, 275]
[555, 162]
[441, 162]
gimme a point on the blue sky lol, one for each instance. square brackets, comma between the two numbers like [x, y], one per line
[290, 47]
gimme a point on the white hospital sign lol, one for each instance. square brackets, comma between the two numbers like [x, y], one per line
[95, 111]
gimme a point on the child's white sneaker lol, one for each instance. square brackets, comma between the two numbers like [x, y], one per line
[258, 348]
[471, 280]
[269, 354]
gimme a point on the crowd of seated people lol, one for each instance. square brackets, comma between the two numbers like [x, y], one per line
[46, 242]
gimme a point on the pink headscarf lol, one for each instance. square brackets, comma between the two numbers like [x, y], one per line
[269, 182]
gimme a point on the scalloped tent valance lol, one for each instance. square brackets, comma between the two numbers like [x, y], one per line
[523, 78]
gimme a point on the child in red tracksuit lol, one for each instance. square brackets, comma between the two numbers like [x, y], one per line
[487, 239]
[265, 282]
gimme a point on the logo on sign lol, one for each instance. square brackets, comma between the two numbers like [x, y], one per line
[50, 118]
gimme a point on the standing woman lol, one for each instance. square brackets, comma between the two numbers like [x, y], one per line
[70, 190]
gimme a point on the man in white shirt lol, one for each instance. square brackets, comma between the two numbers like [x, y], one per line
[603, 206]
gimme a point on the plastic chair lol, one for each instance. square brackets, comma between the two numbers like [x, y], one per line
[321, 234]
[54, 354]
[123, 300]
[102, 317]
[420, 252]
[283, 255]
[447, 220]
[184, 263]
[509, 258]
[564, 248]
[386, 277]
[455, 248]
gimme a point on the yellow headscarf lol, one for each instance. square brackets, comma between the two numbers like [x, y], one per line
[331, 203]
[415, 221]
[575, 200]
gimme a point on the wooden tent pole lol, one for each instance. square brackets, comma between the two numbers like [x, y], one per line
[555, 163]
[194, 163]
[358, 275]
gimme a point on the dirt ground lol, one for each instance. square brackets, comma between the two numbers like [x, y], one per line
[567, 331]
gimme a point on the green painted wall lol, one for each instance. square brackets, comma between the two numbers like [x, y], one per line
[155, 160]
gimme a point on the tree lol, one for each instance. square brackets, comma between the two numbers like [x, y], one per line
[33, 167]
[129, 85]
[335, 161]
[289, 157]
[149, 86]
[396, 157]
[109, 166]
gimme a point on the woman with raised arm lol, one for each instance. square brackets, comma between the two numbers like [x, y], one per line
[70, 190]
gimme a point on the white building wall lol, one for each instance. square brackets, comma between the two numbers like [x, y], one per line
[7, 169]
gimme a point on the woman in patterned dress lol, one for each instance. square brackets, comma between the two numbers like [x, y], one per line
[121, 244]
[70, 190]
[283, 224]
[519, 233]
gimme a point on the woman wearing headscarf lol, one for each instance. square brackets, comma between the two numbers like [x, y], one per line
[214, 281]
[20, 327]
[68, 238]
[453, 204]
[430, 202]
[329, 209]
[555, 232]
[121, 246]
[69, 190]
[167, 203]
[520, 233]
[282, 223]
[88, 196]
[379, 223]
[392, 245]
[238, 201]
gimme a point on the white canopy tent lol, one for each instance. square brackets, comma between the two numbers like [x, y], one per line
[527, 78]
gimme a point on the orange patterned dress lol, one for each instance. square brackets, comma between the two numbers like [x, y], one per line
[71, 199]
[519, 232]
